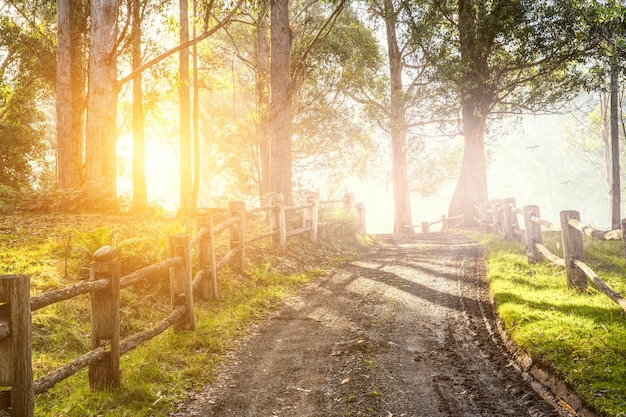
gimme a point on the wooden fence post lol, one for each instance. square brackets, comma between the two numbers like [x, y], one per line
[425, 227]
[238, 232]
[105, 321]
[309, 216]
[497, 209]
[624, 236]
[348, 203]
[360, 210]
[16, 349]
[572, 250]
[206, 258]
[444, 222]
[533, 233]
[510, 219]
[482, 218]
[181, 286]
[278, 223]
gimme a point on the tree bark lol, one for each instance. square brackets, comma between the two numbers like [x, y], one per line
[69, 144]
[140, 193]
[186, 187]
[279, 129]
[398, 127]
[262, 97]
[101, 129]
[472, 186]
[195, 113]
[615, 189]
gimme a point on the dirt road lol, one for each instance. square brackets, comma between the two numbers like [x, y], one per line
[405, 331]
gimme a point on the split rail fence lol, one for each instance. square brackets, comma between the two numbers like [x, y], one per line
[105, 284]
[500, 217]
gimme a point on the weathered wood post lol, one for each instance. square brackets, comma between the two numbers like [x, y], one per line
[181, 286]
[16, 346]
[360, 210]
[310, 215]
[482, 217]
[497, 209]
[348, 203]
[105, 320]
[238, 232]
[425, 227]
[278, 222]
[624, 236]
[206, 257]
[444, 223]
[572, 250]
[510, 219]
[533, 233]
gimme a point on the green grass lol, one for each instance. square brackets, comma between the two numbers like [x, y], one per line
[160, 373]
[579, 336]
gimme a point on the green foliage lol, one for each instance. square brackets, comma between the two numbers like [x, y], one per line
[578, 336]
[163, 371]
[27, 73]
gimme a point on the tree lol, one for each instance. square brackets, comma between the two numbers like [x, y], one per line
[26, 80]
[398, 125]
[101, 128]
[262, 87]
[140, 192]
[504, 57]
[186, 188]
[279, 129]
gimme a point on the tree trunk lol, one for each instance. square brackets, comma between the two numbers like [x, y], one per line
[615, 190]
[279, 130]
[472, 186]
[101, 129]
[401, 196]
[262, 97]
[69, 146]
[196, 113]
[140, 193]
[186, 188]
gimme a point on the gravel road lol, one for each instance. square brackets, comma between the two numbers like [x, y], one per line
[404, 331]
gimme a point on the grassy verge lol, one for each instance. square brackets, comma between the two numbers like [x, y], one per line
[163, 371]
[580, 337]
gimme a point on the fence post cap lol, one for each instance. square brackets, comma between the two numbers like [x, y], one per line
[104, 254]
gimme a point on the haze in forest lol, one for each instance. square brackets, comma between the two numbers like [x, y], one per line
[421, 109]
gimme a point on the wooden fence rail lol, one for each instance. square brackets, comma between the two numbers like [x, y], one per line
[571, 228]
[105, 285]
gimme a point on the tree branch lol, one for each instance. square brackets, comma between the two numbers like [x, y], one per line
[180, 47]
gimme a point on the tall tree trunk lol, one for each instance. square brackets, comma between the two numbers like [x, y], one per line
[69, 146]
[262, 96]
[398, 127]
[279, 130]
[186, 188]
[140, 192]
[615, 191]
[196, 114]
[101, 129]
[472, 185]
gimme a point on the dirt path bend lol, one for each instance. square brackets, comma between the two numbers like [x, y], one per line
[405, 331]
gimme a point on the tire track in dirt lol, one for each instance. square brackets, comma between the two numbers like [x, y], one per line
[402, 332]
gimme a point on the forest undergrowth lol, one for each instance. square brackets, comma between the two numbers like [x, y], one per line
[579, 336]
[55, 251]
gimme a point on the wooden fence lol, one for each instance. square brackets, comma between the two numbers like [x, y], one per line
[500, 217]
[105, 284]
